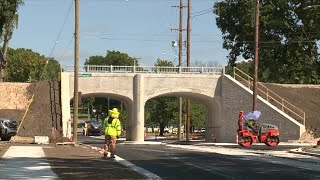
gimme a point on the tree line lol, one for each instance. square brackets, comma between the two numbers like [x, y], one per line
[288, 37]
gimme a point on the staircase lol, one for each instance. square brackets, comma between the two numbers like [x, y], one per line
[271, 96]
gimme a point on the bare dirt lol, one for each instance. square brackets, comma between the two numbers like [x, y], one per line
[44, 112]
[306, 98]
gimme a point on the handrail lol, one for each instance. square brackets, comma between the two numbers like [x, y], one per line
[219, 70]
[271, 96]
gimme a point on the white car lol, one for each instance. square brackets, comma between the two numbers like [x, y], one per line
[203, 130]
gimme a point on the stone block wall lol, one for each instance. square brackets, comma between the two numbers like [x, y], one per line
[236, 98]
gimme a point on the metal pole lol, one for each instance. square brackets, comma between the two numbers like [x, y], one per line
[180, 64]
[76, 73]
[256, 56]
[188, 65]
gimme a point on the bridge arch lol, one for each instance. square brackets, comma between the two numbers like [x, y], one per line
[136, 89]
[213, 108]
[127, 101]
[222, 95]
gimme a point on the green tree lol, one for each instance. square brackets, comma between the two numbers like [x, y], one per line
[114, 58]
[198, 113]
[52, 70]
[164, 63]
[161, 112]
[96, 60]
[25, 65]
[8, 21]
[288, 36]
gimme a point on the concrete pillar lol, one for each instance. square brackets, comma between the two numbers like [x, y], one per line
[65, 103]
[213, 123]
[137, 125]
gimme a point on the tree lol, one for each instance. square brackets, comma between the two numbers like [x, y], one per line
[198, 114]
[96, 60]
[51, 70]
[114, 58]
[163, 63]
[24, 65]
[288, 36]
[8, 21]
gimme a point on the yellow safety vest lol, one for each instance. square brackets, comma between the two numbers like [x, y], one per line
[250, 122]
[113, 129]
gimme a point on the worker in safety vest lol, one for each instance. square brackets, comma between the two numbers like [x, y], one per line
[252, 126]
[112, 130]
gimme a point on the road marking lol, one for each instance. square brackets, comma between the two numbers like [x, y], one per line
[25, 162]
[128, 164]
[140, 170]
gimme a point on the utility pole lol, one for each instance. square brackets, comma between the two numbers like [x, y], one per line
[76, 73]
[256, 56]
[188, 65]
[180, 64]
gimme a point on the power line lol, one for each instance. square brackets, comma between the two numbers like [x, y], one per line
[203, 10]
[194, 41]
[201, 14]
[61, 29]
[66, 49]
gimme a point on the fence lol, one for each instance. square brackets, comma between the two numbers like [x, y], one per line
[271, 96]
[219, 70]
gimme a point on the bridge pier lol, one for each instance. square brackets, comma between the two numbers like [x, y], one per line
[136, 126]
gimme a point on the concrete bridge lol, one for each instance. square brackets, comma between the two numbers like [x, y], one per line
[222, 96]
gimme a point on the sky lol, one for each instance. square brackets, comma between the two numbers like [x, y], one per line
[140, 28]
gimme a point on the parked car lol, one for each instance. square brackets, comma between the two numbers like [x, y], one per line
[203, 130]
[166, 130]
[8, 128]
[94, 128]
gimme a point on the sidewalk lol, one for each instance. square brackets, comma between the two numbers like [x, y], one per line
[25, 162]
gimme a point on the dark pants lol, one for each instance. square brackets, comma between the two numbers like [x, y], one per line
[110, 144]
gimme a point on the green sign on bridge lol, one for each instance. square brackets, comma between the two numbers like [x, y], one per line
[85, 75]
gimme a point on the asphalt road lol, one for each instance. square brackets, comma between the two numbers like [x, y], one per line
[176, 163]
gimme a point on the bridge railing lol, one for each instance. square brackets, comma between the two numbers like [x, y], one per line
[219, 70]
[271, 96]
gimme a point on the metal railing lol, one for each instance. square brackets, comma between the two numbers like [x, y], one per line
[219, 70]
[271, 96]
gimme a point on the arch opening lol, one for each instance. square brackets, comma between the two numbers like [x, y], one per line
[161, 116]
[95, 107]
